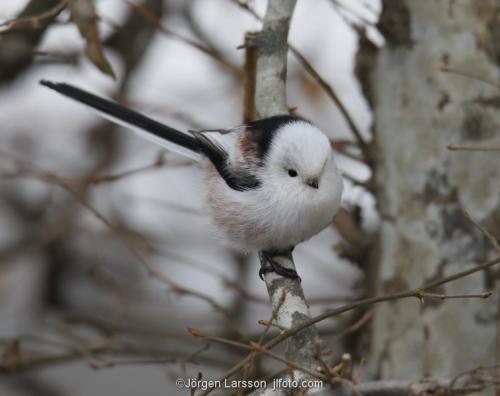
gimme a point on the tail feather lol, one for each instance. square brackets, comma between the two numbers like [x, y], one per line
[163, 135]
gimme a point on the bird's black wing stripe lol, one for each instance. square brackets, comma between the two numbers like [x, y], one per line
[219, 158]
[129, 116]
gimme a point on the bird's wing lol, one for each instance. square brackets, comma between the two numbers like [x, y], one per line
[220, 146]
[216, 145]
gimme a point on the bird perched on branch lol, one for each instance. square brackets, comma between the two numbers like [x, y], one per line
[270, 184]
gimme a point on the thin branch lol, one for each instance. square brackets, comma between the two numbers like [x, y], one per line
[330, 92]
[218, 340]
[273, 317]
[95, 180]
[27, 169]
[268, 325]
[456, 147]
[333, 379]
[250, 70]
[437, 296]
[446, 69]
[348, 307]
[489, 237]
[259, 348]
[470, 382]
[367, 317]
[494, 244]
[17, 45]
[37, 361]
[99, 349]
[336, 100]
[34, 20]
[271, 46]
[154, 21]
[172, 360]
[416, 293]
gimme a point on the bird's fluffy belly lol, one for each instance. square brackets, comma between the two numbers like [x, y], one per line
[276, 223]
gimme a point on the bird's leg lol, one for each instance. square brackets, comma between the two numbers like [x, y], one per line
[271, 265]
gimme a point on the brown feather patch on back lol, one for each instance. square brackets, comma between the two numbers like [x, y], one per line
[248, 147]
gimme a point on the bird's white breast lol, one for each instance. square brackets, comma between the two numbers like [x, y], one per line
[268, 218]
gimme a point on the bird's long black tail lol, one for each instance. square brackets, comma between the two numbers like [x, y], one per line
[184, 143]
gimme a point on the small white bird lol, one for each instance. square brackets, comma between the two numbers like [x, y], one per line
[271, 183]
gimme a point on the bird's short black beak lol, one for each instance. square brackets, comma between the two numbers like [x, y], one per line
[314, 183]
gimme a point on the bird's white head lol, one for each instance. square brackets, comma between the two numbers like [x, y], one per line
[300, 159]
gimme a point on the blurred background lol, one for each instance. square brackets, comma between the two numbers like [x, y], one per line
[104, 237]
[107, 256]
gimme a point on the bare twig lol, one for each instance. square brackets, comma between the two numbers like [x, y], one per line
[494, 244]
[35, 21]
[289, 363]
[470, 382]
[437, 296]
[17, 45]
[330, 92]
[95, 180]
[249, 83]
[333, 96]
[446, 69]
[154, 21]
[268, 325]
[416, 293]
[26, 169]
[456, 147]
[219, 340]
[171, 360]
[367, 317]
[489, 237]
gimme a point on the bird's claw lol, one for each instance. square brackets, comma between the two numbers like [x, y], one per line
[273, 266]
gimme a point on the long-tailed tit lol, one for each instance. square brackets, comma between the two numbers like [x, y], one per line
[270, 184]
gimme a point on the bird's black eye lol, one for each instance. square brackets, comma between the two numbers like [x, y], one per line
[292, 173]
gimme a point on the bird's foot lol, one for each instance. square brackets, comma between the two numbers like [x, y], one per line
[272, 266]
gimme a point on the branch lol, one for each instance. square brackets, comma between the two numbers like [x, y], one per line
[488, 236]
[17, 44]
[30, 360]
[466, 383]
[27, 169]
[446, 69]
[328, 89]
[272, 48]
[336, 100]
[456, 147]
[416, 293]
[101, 179]
[154, 21]
[34, 21]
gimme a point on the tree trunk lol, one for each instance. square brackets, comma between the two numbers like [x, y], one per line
[421, 186]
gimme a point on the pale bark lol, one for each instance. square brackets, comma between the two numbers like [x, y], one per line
[271, 49]
[421, 186]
